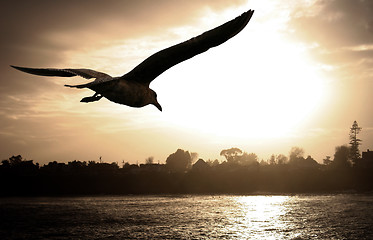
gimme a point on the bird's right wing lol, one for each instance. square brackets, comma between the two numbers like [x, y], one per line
[159, 62]
[55, 72]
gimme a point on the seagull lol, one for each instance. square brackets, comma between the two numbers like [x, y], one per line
[132, 89]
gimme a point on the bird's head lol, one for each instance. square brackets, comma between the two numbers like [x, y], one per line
[155, 101]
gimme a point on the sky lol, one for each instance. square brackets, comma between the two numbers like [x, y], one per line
[299, 74]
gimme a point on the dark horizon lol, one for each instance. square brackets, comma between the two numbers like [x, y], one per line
[241, 173]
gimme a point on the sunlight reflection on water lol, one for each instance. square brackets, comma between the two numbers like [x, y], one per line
[259, 215]
[188, 217]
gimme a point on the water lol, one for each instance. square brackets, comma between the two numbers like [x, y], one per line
[344, 216]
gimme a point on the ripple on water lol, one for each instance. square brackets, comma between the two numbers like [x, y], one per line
[189, 217]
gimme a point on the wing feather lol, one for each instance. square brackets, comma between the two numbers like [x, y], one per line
[55, 72]
[159, 62]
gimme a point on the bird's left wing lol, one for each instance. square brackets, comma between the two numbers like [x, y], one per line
[159, 62]
[68, 72]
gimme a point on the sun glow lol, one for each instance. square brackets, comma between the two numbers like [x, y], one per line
[259, 85]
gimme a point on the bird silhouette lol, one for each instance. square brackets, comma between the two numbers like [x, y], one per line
[132, 89]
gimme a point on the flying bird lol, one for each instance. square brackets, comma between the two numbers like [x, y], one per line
[132, 89]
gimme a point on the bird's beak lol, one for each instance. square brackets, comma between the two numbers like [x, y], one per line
[157, 105]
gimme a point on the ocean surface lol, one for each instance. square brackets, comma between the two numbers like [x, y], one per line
[342, 216]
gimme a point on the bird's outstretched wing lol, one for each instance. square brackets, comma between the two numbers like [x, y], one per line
[159, 62]
[85, 73]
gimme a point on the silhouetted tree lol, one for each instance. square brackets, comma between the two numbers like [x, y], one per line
[277, 159]
[5, 163]
[341, 157]
[281, 159]
[213, 163]
[296, 156]
[263, 162]
[200, 165]
[179, 161]
[15, 160]
[247, 159]
[309, 162]
[231, 154]
[327, 160]
[296, 159]
[296, 153]
[77, 164]
[272, 160]
[17, 166]
[354, 142]
[149, 160]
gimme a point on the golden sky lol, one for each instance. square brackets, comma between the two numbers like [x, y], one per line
[298, 75]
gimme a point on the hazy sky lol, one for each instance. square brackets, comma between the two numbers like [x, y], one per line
[298, 75]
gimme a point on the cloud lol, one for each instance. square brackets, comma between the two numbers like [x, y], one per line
[340, 32]
[36, 24]
[336, 24]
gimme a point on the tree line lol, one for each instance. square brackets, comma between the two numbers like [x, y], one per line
[240, 173]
